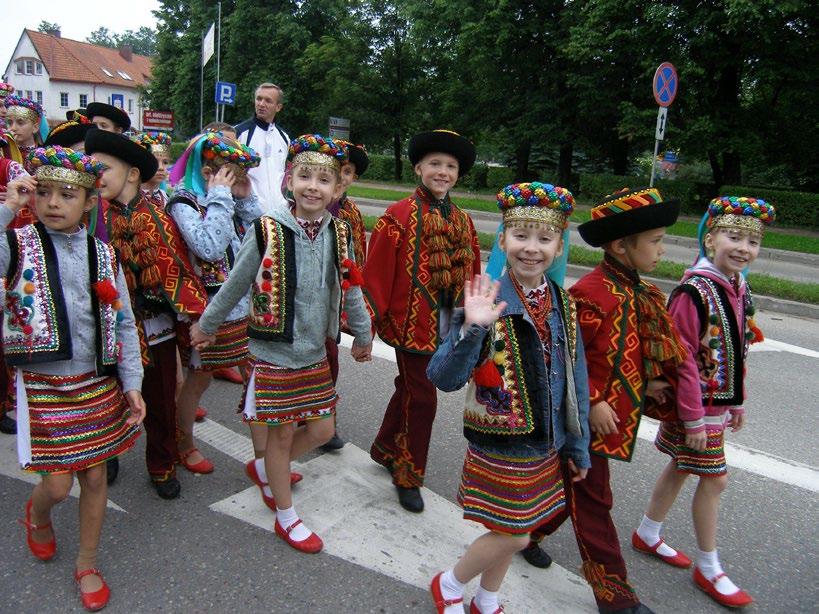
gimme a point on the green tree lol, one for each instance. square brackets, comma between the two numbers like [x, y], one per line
[141, 41]
[47, 27]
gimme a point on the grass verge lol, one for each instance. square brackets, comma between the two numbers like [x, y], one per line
[683, 228]
[761, 284]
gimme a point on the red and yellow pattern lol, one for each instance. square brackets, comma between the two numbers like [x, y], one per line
[621, 202]
[349, 212]
[709, 462]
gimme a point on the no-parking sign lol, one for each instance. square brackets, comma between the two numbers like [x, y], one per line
[665, 84]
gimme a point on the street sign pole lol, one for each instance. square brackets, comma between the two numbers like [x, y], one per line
[665, 87]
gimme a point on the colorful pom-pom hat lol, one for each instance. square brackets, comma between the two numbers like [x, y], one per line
[159, 143]
[443, 141]
[536, 203]
[742, 212]
[628, 212]
[6, 89]
[356, 154]
[120, 146]
[316, 150]
[63, 165]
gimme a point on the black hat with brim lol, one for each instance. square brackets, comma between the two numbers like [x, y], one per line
[72, 115]
[115, 114]
[68, 134]
[443, 141]
[123, 148]
[359, 158]
[629, 212]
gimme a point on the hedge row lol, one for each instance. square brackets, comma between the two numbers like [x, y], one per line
[481, 176]
[792, 208]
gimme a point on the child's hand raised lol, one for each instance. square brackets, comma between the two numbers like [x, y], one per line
[19, 192]
[479, 301]
[224, 176]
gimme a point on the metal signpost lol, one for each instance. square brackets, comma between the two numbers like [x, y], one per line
[665, 88]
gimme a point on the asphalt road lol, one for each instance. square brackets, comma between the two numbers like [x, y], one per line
[212, 550]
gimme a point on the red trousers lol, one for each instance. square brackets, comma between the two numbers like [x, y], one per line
[402, 442]
[159, 392]
[589, 502]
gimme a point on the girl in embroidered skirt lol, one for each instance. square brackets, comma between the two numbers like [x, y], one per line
[64, 288]
[713, 312]
[510, 339]
[211, 206]
[296, 264]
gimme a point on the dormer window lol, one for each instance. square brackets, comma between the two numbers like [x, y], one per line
[107, 72]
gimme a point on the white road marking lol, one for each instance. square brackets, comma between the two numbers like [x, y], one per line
[11, 468]
[741, 457]
[350, 502]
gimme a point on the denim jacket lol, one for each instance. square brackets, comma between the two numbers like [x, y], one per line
[550, 417]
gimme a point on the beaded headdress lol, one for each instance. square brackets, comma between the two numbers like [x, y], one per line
[64, 165]
[536, 203]
[356, 154]
[159, 143]
[6, 89]
[315, 150]
[23, 107]
[209, 148]
[742, 212]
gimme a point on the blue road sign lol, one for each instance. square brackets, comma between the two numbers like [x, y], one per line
[665, 84]
[225, 93]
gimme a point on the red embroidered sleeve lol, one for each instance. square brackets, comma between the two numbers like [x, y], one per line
[379, 273]
[594, 327]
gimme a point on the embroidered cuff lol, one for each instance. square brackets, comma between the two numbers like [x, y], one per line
[694, 426]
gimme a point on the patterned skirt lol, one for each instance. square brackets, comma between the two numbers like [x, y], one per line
[229, 349]
[709, 462]
[277, 395]
[70, 422]
[509, 494]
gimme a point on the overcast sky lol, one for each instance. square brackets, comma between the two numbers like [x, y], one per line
[76, 19]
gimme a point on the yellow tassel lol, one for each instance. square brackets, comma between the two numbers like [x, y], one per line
[150, 278]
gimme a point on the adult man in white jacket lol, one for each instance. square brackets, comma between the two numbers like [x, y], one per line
[263, 134]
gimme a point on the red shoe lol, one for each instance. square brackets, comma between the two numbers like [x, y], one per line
[735, 600]
[311, 545]
[229, 375]
[442, 604]
[203, 466]
[473, 609]
[99, 598]
[46, 551]
[295, 477]
[250, 470]
[678, 560]
[201, 414]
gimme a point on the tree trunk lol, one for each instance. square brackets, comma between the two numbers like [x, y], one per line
[716, 168]
[619, 157]
[522, 152]
[396, 148]
[564, 165]
[732, 168]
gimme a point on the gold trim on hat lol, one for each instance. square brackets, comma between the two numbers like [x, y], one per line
[538, 215]
[22, 113]
[740, 222]
[159, 149]
[314, 158]
[60, 174]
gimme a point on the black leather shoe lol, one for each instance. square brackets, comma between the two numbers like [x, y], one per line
[335, 443]
[536, 556]
[410, 499]
[112, 469]
[8, 425]
[635, 609]
[168, 489]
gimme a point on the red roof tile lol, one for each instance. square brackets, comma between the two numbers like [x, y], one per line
[69, 60]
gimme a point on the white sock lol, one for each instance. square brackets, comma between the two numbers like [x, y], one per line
[266, 490]
[649, 532]
[450, 587]
[260, 470]
[487, 601]
[287, 517]
[709, 566]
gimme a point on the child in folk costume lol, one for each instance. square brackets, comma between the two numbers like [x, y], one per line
[421, 252]
[298, 264]
[346, 209]
[511, 337]
[631, 347]
[159, 144]
[713, 312]
[69, 331]
[108, 117]
[6, 89]
[211, 202]
[25, 119]
[162, 283]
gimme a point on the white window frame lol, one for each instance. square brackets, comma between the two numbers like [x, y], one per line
[29, 65]
[38, 68]
[83, 104]
[63, 100]
[38, 97]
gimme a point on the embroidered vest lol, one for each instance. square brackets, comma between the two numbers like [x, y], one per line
[35, 320]
[273, 292]
[212, 274]
[723, 347]
[513, 410]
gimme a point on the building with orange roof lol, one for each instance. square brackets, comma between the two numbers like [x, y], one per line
[63, 74]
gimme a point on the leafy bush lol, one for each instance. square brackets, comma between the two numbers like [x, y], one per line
[693, 195]
[792, 208]
[177, 147]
